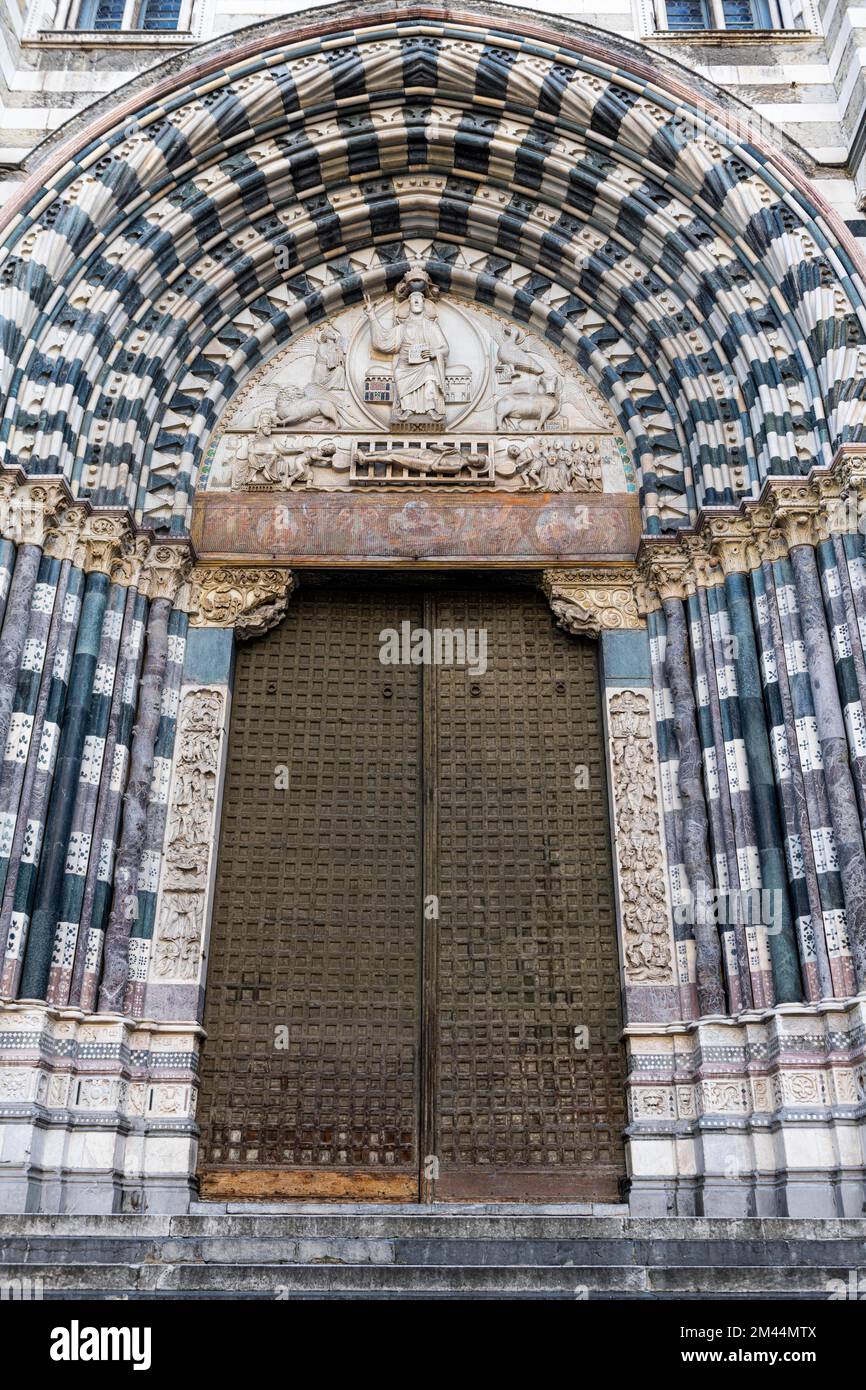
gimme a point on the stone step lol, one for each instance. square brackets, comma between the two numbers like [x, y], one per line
[284, 1281]
[470, 1249]
[298, 1253]
[454, 1222]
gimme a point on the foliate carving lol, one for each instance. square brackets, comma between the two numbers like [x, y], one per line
[189, 836]
[638, 839]
[665, 567]
[796, 511]
[732, 540]
[126, 570]
[30, 507]
[250, 600]
[62, 538]
[101, 541]
[588, 601]
[166, 568]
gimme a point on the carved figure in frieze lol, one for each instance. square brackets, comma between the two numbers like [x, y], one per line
[529, 407]
[258, 460]
[300, 460]
[418, 347]
[527, 464]
[329, 368]
[555, 467]
[179, 941]
[585, 466]
[433, 458]
[269, 460]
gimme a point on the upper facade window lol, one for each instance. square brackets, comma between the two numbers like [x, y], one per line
[128, 14]
[685, 15]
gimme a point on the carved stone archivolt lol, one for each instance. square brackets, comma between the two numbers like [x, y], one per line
[590, 600]
[640, 858]
[189, 836]
[250, 600]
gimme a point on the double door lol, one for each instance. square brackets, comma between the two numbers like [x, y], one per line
[413, 988]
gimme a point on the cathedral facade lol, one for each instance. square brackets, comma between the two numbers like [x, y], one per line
[433, 648]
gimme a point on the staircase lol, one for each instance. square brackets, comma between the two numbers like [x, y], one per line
[311, 1251]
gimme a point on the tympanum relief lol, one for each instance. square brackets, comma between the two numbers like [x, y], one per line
[418, 389]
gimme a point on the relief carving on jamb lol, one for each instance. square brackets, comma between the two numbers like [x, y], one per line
[417, 388]
[640, 856]
[189, 837]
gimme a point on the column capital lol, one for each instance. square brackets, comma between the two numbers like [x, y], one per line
[31, 507]
[732, 539]
[664, 566]
[593, 599]
[249, 599]
[102, 538]
[797, 509]
[166, 567]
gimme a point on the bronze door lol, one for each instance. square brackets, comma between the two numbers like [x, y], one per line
[529, 1094]
[413, 986]
[315, 927]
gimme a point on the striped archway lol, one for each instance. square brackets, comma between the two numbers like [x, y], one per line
[158, 258]
[694, 277]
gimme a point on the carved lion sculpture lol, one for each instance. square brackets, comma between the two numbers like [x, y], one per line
[293, 407]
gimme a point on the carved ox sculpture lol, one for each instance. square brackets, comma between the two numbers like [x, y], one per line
[535, 406]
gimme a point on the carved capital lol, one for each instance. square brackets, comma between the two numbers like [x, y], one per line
[250, 600]
[849, 466]
[590, 600]
[63, 536]
[664, 567]
[101, 541]
[30, 507]
[731, 539]
[796, 510]
[165, 569]
[126, 570]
